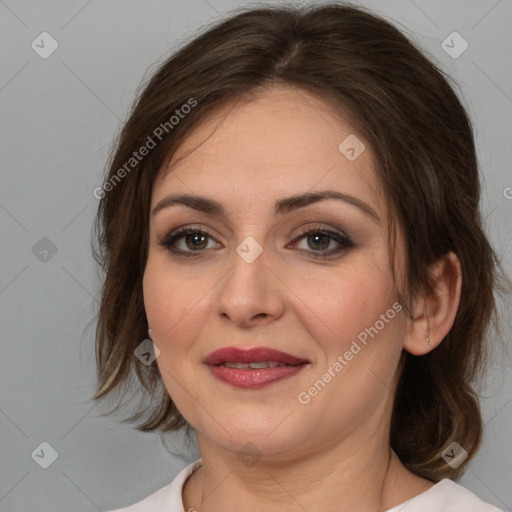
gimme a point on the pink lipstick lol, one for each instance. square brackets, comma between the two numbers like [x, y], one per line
[253, 368]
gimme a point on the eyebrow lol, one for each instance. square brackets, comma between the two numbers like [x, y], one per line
[281, 206]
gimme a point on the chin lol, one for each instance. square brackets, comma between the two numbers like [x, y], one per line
[263, 436]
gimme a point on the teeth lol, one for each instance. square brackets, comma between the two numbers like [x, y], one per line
[263, 364]
[235, 365]
[255, 366]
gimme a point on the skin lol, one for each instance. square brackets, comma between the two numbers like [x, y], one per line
[333, 453]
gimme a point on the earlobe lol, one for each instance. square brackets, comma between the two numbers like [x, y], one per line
[435, 310]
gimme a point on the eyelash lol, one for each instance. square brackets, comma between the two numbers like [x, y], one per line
[344, 241]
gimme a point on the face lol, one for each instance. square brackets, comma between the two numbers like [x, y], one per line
[286, 251]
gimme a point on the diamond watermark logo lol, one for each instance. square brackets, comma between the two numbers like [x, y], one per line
[249, 249]
[44, 250]
[249, 454]
[44, 45]
[146, 352]
[454, 455]
[454, 45]
[351, 147]
[45, 455]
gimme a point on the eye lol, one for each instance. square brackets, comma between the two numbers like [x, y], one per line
[188, 242]
[322, 243]
[319, 242]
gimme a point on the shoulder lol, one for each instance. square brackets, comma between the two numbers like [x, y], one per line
[447, 496]
[165, 499]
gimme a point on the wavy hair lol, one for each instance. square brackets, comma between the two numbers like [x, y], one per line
[423, 144]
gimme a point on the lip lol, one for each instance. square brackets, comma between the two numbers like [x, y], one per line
[252, 355]
[253, 378]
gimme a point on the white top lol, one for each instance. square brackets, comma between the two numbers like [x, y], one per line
[444, 496]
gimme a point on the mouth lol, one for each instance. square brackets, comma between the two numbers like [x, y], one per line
[253, 368]
[257, 365]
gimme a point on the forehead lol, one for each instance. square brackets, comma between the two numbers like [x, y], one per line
[280, 141]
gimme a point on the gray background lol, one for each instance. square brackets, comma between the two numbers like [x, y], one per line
[58, 119]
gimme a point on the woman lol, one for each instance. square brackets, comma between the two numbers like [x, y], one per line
[291, 216]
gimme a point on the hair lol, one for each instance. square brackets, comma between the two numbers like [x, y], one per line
[423, 146]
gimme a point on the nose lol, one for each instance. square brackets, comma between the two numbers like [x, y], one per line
[251, 294]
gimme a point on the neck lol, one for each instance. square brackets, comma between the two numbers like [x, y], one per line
[368, 478]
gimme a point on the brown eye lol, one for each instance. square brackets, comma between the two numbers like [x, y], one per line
[319, 241]
[322, 244]
[196, 241]
[189, 242]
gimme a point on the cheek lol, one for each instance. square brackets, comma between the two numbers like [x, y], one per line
[358, 326]
[170, 299]
[177, 306]
[336, 307]
[356, 374]
[173, 307]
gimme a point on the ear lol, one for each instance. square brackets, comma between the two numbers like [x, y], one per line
[434, 311]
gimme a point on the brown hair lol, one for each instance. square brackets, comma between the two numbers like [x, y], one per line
[424, 151]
